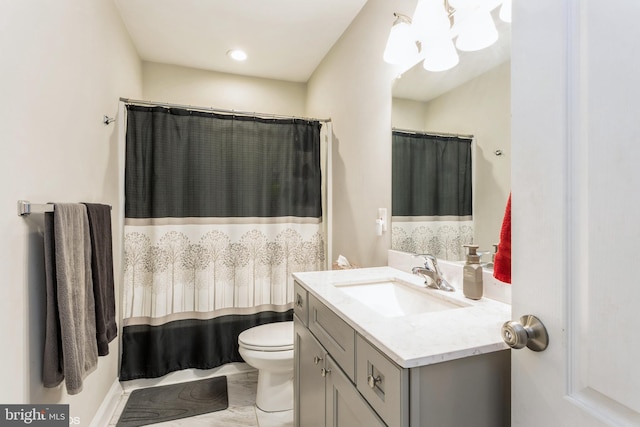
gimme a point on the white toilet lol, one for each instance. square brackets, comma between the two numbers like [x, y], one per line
[269, 349]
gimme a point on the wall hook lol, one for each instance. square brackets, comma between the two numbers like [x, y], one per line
[108, 120]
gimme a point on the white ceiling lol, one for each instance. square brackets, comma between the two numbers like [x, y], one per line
[285, 39]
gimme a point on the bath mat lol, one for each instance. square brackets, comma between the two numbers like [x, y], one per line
[171, 402]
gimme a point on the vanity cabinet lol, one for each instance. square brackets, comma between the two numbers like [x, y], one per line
[344, 405]
[324, 395]
[324, 369]
[342, 379]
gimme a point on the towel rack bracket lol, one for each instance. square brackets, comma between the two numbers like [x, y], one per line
[25, 207]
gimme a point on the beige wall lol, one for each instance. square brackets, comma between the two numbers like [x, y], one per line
[352, 85]
[189, 86]
[64, 65]
[408, 114]
[480, 107]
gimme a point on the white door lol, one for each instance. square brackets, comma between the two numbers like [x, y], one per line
[576, 210]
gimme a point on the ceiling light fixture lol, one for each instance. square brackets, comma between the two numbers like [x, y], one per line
[429, 34]
[476, 30]
[430, 19]
[439, 54]
[401, 45]
[237, 54]
[432, 27]
[505, 11]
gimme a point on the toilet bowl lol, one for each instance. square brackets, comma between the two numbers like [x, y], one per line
[269, 349]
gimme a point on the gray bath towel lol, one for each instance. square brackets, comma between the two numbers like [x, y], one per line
[102, 271]
[73, 353]
[52, 370]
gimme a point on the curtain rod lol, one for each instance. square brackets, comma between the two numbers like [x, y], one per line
[415, 132]
[217, 110]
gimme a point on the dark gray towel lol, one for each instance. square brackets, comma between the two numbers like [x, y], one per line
[68, 271]
[102, 271]
[52, 370]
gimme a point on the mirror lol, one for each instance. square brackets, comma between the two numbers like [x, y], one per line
[472, 98]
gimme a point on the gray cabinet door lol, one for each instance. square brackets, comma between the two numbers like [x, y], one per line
[345, 407]
[309, 359]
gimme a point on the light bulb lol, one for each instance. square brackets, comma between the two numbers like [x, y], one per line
[505, 11]
[237, 54]
[476, 30]
[439, 54]
[401, 45]
[429, 19]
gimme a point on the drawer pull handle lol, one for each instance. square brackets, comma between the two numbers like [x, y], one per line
[316, 360]
[324, 372]
[298, 300]
[373, 381]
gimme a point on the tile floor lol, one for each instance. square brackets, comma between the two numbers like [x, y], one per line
[240, 413]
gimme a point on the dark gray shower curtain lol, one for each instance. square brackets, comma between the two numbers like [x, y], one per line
[219, 210]
[431, 194]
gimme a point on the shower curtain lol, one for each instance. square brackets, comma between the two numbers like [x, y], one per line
[431, 194]
[219, 210]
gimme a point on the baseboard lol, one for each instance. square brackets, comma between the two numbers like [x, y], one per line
[187, 375]
[108, 406]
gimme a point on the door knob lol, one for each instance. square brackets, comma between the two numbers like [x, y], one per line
[529, 331]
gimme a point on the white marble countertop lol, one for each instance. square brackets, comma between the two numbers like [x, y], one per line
[417, 339]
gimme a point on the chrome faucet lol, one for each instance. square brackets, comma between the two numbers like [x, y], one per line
[432, 274]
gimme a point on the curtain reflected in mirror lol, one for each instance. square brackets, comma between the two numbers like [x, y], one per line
[432, 202]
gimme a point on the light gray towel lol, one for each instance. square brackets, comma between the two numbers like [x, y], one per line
[73, 354]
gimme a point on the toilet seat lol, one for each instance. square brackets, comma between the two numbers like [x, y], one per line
[268, 337]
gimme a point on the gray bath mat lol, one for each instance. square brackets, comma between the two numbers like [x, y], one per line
[171, 402]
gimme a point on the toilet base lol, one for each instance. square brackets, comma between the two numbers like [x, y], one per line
[275, 391]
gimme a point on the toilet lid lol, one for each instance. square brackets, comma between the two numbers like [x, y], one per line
[268, 337]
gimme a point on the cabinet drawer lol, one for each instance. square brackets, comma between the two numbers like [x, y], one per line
[300, 303]
[337, 337]
[382, 383]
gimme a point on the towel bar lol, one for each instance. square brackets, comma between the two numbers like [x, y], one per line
[25, 207]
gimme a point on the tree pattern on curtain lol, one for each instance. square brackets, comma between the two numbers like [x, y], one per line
[435, 238]
[432, 197]
[176, 274]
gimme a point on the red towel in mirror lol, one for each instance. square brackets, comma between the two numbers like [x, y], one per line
[502, 263]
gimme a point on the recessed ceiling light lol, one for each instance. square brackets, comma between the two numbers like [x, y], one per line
[237, 54]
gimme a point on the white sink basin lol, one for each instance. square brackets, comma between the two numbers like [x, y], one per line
[395, 298]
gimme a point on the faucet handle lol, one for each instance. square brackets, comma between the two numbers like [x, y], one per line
[434, 262]
[427, 258]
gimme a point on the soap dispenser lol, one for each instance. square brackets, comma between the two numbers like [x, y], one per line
[472, 274]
